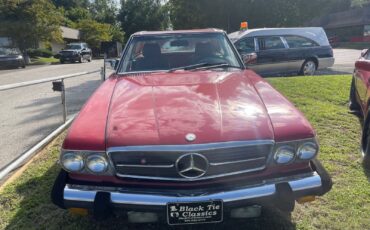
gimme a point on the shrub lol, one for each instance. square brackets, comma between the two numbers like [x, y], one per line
[39, 53]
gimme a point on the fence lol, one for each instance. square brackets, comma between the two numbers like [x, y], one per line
[58, 86]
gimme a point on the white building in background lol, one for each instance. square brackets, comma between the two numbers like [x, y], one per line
[68, 34]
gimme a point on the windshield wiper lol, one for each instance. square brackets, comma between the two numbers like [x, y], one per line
[217, 65]
[203, 66]
[189, 67]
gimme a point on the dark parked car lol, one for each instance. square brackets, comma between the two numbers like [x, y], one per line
[11, 57]
[184, 133]
[75, 52]
[284, 50]
[360, 97]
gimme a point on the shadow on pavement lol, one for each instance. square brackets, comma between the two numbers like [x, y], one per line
[49, 107]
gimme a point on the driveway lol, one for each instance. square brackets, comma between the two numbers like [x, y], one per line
[29, 114]
[344, 61]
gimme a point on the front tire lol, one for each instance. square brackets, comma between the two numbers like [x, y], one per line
[353, 103]
[308, 68]
[80, 59]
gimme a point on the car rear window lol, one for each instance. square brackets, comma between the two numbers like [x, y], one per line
[270, 43]
[299, 42]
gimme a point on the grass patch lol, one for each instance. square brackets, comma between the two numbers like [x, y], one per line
[25, 203]
[43, 61]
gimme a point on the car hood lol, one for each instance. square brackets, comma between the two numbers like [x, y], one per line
[162, 108]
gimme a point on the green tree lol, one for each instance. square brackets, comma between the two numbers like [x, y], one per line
[227, 14]
[28, 22]
[104, 11]
[68, 4]
[94, 32]
[117, 34]
[137, 15]
[77, 14]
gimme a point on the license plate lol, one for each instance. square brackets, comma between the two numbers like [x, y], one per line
[195, 212]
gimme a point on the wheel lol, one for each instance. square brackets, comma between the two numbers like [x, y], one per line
[366, 139]
[353, 103]
[61, 62]
[90, 59]
[80, 59]
[308, 68]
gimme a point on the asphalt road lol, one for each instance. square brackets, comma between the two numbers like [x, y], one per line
[29, 114]
[344, 61]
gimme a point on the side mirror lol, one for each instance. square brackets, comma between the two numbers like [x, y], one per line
[116, 62]
[249, 59]
[112, 63]
[364, 52]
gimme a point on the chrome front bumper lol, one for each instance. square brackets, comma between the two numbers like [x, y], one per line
[300, 185]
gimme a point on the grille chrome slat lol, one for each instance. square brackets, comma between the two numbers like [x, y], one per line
[145, 166]
[237, 162]
[225, 159]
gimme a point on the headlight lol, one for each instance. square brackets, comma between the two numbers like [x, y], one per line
[72, 162]
[19, 57]
[97, 164]
[284, 155]
[307, 151]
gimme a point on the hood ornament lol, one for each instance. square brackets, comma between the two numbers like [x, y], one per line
[190, 137]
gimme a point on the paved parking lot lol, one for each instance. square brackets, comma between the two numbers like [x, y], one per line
[29, 114]
[344, 61]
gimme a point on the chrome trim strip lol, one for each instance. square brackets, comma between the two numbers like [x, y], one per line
[236, 162]
[146, 166]
[312, 181]
[189, 147]
[191, 179]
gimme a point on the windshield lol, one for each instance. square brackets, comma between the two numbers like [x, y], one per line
[73, 47]
[166, 52]
[9, 51]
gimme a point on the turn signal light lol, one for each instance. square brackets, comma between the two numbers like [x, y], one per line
[78, 211]
[306, 199]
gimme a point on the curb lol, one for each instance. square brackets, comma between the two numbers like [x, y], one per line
[27, 156]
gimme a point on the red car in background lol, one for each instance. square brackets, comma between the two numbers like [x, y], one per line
[360, 96]
[183, 133]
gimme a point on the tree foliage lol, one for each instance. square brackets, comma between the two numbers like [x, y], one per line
[94, 32]
[137, 15]
[28, 22]
[104, 11]
[227, 14]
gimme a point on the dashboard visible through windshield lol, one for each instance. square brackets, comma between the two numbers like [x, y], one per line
[177, 51]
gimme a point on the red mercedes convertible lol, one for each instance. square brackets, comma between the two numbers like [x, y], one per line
[184, 133]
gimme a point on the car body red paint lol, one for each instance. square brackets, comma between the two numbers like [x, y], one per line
[155, 110]
[360, 97]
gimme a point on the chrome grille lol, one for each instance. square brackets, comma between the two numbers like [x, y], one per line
[159, 162]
